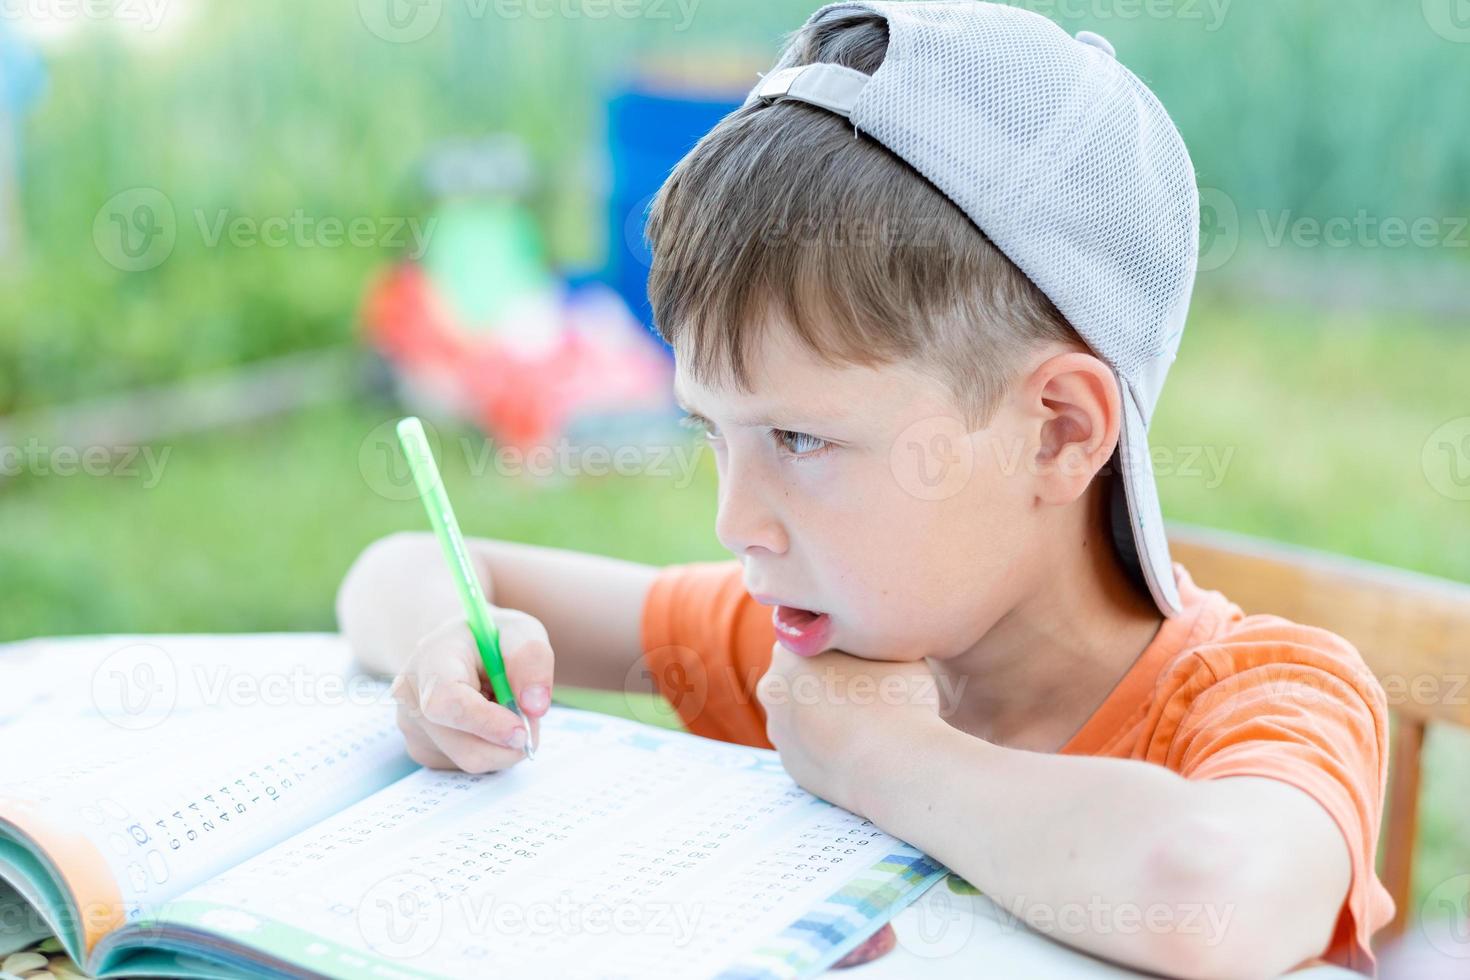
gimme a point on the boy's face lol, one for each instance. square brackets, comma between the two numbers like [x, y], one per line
[855, 493]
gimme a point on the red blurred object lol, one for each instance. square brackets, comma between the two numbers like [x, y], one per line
[523, 397]
[879, 944]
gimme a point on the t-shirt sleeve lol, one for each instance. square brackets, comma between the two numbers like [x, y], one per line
[707, 643]
[1305, 710]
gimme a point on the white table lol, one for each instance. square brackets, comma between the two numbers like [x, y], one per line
[945, 934]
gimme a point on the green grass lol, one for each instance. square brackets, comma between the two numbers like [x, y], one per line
[252, 528]
[1324, 419]
[262, 110]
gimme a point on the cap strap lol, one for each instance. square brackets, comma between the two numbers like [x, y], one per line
[832, 87]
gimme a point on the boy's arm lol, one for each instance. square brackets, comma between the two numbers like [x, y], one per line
[399, 589]
[1235, 877]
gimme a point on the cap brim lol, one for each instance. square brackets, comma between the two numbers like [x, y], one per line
[1145, 519]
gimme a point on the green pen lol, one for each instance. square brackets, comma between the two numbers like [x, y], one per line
[431, 490]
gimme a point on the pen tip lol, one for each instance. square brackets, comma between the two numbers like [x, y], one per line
[530, 747]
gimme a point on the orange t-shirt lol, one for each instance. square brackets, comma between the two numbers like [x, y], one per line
[1215, 693]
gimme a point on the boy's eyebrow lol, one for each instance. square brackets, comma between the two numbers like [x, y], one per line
[751, 420]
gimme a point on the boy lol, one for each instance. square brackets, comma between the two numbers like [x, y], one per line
[923, 289]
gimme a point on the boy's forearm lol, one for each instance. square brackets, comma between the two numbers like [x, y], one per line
[396, 591]
[1115, 857]
[591, 606]
[400, 588]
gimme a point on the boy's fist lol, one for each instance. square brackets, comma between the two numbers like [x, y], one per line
[446, 709]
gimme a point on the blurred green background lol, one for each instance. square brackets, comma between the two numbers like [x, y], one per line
[1325, 356]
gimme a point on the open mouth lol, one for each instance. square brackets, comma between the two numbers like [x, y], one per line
[802, 631]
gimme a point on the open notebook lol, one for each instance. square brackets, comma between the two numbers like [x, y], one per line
[217, 806]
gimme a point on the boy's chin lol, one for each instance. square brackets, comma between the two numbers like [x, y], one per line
[876, 656]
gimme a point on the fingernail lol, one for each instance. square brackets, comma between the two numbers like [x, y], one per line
[536, 698]
[517, 739]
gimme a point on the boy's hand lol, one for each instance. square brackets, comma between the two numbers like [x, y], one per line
[827, 715]
[445, 706]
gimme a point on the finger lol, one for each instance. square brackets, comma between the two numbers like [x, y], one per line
[449, 651]
[472, 754]
[447, 677]
[445, 748]
[464, 708]
[421, 748]
[528, 719]
[529, 660]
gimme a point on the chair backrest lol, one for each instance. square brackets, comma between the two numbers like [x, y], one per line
[1412, 630]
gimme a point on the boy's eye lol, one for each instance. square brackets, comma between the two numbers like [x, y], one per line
[799, 443]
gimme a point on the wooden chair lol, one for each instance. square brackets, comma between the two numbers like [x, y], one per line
[1410, 628]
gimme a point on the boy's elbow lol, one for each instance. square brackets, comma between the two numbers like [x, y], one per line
[373, 564]
[358, 576]
[1211, 915]
[359, 605]
[391, 549]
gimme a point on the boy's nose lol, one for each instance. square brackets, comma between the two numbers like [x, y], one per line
[744, 521]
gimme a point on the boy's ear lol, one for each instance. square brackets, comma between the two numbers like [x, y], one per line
[1074, 401]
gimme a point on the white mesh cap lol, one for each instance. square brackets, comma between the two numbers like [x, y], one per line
[1067, 162]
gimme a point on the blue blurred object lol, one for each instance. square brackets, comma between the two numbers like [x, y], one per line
[648, 132]
[22, 73]
[22, 81]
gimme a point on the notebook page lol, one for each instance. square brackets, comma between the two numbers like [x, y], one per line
[148, 764]
[621, 850]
